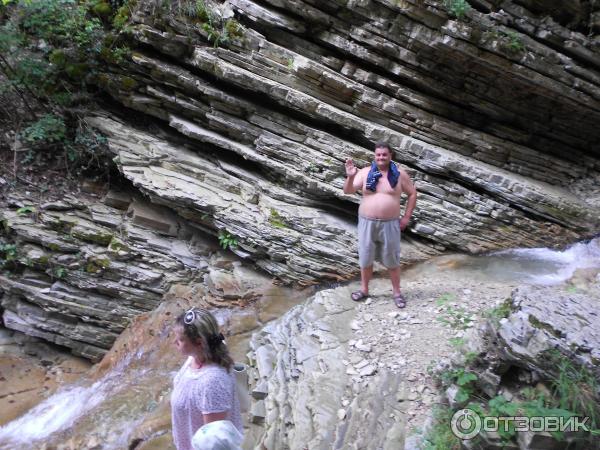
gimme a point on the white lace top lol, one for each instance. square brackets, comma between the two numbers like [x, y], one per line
[210, 389]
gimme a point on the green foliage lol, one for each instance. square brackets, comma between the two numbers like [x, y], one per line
[454, 316]
[508, 41]
[536, 406]
[445, 298]
[123, 14]
[574, 393]
[575, 388]
[101, 8]
[439, 436]
[34, 73]
[499, 312]
[25, 210]
[49, 129]
[457, 342]
[227, 240]
[49, 49]
[59, 272]
[276, 220]
[61, 23]
[88, 149]
[313, 168]
[513, 42]
[457, 8]
[8, 256]
[218, 30]
[201, 11]
[464, 379]
[95, 265]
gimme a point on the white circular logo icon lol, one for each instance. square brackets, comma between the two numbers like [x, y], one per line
[465, 424]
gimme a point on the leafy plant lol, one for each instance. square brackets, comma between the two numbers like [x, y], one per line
[464, 379]
[123, 14]
[457, 318]
[60, 272]
[513, 42]
[499, 312]
[445, 298]
[8, 256]
[48, 50]
[509, 41]
[439, 436]
[457, 342]
[313, 168]
[457, 8]
[219, 31]
[26, 210]
[227, 240]
[575, 388]
[49, 129]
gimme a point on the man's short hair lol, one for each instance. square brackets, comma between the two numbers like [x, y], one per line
[383, 144]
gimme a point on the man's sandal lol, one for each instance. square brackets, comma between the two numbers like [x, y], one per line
[359, 296]
[400, 301]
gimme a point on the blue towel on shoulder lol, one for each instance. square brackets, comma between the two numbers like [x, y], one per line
[374, 175]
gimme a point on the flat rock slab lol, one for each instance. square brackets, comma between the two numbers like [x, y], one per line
[334, 373]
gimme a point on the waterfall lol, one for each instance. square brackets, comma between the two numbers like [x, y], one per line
[546, 266]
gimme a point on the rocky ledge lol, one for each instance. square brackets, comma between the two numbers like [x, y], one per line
[335, 374]
[541, 360]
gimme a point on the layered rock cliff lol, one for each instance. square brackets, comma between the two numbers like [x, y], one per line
[492, 114]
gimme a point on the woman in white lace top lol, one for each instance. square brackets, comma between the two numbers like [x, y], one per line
[204, 388]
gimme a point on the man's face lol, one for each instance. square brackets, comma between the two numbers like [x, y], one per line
[383, 157]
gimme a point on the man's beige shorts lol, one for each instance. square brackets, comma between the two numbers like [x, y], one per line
[378, 240]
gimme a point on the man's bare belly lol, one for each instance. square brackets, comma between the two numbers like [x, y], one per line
[380, 206]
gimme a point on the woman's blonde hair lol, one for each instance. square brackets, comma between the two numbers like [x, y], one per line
[201, 327]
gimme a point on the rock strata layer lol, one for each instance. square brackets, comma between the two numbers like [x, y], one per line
[492, 114]
[82, 270]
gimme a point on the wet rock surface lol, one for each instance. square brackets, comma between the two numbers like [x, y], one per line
[123, 401]
[31, 370]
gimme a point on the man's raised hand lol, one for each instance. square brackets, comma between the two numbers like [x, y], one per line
[351, 169]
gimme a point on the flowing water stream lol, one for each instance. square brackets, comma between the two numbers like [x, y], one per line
[125, 397]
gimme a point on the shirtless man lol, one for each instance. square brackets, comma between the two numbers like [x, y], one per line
[379, 222]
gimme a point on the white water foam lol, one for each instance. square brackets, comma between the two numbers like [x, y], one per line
[59, 411]
[560, 265]
[54, 414]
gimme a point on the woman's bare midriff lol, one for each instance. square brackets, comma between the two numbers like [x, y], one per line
[379, 205]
